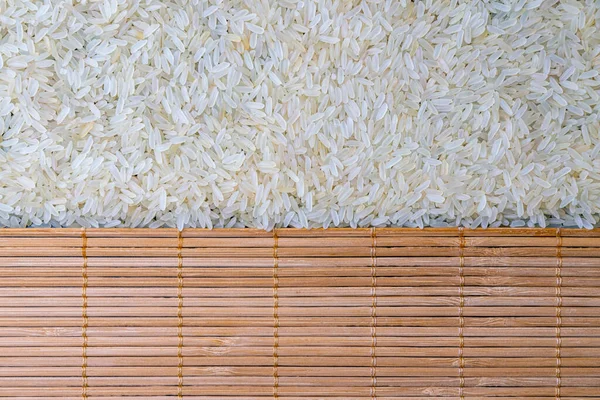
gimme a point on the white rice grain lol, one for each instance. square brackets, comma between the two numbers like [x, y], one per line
[302, 113]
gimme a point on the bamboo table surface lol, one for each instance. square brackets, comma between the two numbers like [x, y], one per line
[240, 314]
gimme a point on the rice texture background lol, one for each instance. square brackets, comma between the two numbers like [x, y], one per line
[299, 113]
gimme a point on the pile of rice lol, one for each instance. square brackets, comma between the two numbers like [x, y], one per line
[303, 113]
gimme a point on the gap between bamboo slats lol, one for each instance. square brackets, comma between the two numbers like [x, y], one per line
[341, 313]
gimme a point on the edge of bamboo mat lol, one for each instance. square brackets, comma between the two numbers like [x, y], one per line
[294, 232]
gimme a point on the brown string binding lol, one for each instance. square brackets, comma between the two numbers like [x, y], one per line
[84, 316]
[275, 316]
[559, 264]
[179, 315]
[374, 314]
[461, 318]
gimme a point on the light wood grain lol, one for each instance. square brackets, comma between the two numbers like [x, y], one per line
[391, 311]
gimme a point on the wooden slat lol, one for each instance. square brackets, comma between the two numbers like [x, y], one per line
[349, 314]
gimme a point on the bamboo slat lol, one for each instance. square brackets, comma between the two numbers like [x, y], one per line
[240, 314]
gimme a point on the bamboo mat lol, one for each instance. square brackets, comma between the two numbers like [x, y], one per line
[295, 314]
